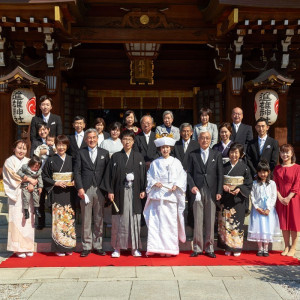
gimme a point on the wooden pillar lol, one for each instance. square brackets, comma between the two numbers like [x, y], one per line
[280, 126]
[8, 128]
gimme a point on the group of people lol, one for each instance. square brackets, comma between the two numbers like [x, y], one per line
[148, 177]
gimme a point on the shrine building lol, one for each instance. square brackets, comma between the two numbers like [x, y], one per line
[99, 58]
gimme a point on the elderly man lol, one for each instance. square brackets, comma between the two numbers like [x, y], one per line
[205, 179]
[144, 141]
[89, 169]
[241, 133]
[167, 128]
[181, 151]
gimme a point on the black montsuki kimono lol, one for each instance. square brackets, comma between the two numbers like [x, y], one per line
[232, 214]
[115, 177]
[63, 211]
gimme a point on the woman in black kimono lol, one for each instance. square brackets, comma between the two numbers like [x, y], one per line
[124, 181]
[237, 187]
[58, 181]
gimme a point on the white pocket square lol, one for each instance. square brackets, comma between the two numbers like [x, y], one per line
[268, 146]
[213, 160]
[52, 123]
[102, 156]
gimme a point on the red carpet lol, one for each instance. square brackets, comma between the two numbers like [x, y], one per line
[183, 259]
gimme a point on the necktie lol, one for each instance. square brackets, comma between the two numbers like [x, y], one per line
[78, 140]
[93, 155]
[185, 147]
[204, 158]
[236, 128]
[261, 146]
[147, 139]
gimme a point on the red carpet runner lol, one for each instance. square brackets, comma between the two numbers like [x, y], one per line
[183, 259]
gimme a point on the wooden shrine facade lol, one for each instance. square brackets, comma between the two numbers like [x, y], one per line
[151, 55]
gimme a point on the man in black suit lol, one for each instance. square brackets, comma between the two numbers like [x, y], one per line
[77, 140]
[241, 133]
[89, 169]
[144, 141]
[181, 151]
[205, 179]
[262, 148]
[53, 121]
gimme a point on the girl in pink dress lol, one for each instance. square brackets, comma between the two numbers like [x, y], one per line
[287, 178]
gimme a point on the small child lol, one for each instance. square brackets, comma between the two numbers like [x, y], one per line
[264, 223]
[40, 150]
[31, 173]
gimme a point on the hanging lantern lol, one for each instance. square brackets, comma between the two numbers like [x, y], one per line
[266, 105]
[23, 106]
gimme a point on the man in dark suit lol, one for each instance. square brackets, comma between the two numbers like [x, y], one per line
[144, 141]
[181, 151]
[77, 140]
[205, 179]
[53, 121]
[241, 133]
[89, 169]
[262, 148]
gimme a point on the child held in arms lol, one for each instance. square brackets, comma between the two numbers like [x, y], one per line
[43, 151]
[31, 185]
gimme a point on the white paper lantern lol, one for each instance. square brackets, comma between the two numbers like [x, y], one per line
[23, 106]
[266, 105]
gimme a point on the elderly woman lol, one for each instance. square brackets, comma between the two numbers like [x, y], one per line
[20, 233]
[129, 121]
[124, 181]
[236, 189]
[223, 146]
[100, 127]
[113, 144]
[205, 125]
[58, 180]
[167, 129]
[166, 185]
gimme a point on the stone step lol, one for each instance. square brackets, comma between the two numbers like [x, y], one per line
[3, 205]
[3, 218]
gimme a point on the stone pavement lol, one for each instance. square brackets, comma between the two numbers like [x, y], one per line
[192, 282]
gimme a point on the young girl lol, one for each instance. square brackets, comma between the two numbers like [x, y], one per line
[264, 223]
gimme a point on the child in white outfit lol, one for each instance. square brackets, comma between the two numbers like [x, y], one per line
[264, 223]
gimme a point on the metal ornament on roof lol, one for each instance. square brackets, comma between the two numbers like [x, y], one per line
[266, 105]
[23, 106]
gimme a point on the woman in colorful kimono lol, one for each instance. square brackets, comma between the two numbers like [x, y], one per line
[237, 187]
[20, 237]
[58, 181]
[166, 186]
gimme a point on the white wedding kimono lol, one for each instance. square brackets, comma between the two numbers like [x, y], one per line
[164, 209]
[20, 231]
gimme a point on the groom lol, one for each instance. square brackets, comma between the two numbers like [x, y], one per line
[205, 179]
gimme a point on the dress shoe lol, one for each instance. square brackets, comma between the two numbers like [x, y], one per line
[85, 253]
[136, 253]
[37, 212]
[195, 254]
[26, 214]
[260, 253]
[210, 254]
[116, 254]
[99, 252]
[266, 253]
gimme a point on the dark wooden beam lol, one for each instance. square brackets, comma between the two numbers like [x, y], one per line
[125, 35]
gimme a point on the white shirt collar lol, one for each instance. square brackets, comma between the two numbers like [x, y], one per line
[80, 134]
[44, 141]
[92, 149]
[206, 150]
[263, 138]
[186, 142]
[46, 117]
[147, 134]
